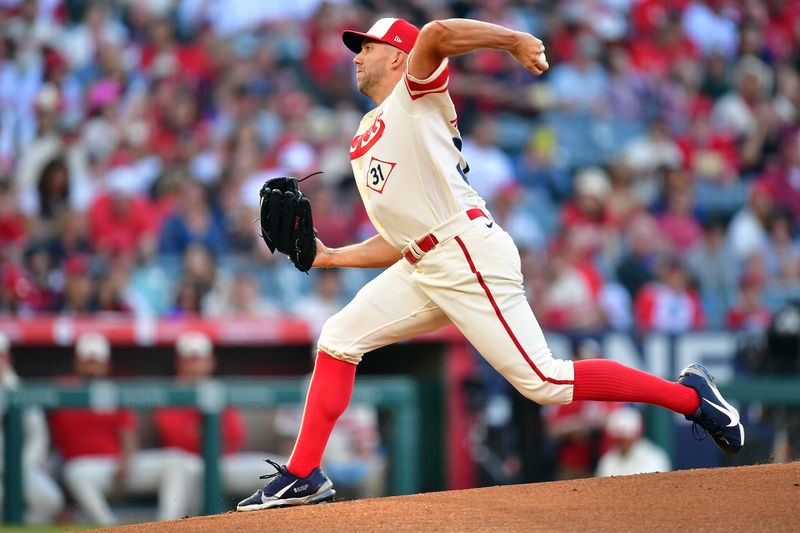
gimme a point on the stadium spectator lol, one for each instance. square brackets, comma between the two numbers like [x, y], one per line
[709, 262]
[12, 223]
[741, 110]
[193, 221]
[79, 286]
[670, 304]
[239, 295]
[332, 217]
[752, 41]
[537, 274]
[37, 111]
[781, 251]
[112, 288]
[747, 232]
[588, 213]
[188, 300]
[539, 166]
[325, 27]
[622, 205]
[784, 174]
[120, 221]
[41, 495]
[708, 153]
[648, 155]
[711, 26]
[678, 223]
[180, 428]
[199, 265]
[326, 300]
[616, 307]
[571, 297]
[716, 80]
[748, 313]
[511, 212]
[196, 280]
[627, 88]
[100, 449]
[51, 198]
[17, 295]
[787, 99]
[644, 246]
[630, 453]
[489, 167]
[97, 29]
[71, 239]
[653, 52]
[581, 84]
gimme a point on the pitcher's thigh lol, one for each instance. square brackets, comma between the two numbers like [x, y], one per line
[388, 309]
[486, 301]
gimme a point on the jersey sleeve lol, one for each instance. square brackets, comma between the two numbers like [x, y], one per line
[418, 95]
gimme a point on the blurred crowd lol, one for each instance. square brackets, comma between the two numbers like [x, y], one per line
[651, 178]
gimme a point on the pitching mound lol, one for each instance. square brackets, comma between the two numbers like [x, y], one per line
[763, 498]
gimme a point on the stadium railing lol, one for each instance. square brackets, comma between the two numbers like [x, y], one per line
[395, 395]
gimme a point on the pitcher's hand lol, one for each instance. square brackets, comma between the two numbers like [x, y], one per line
[529, 51]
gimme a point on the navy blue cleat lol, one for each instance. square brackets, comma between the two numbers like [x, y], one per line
[286, 489]
[714, 415]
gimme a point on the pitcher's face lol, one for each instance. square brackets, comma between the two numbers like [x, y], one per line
[371, 64]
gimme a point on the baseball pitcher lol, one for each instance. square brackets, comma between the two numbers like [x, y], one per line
[448, 260]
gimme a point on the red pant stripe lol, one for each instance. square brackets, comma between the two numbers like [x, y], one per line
[505, 324]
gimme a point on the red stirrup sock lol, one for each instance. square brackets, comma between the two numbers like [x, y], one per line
[328, 396]
[605, 380]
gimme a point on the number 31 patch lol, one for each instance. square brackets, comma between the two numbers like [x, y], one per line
[378, 174]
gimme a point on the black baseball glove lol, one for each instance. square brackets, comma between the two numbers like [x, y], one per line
[286, 222]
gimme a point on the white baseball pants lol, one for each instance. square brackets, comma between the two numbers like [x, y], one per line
[169, 473]
[471, 278]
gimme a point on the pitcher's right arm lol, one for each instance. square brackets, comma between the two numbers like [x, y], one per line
[451, 37]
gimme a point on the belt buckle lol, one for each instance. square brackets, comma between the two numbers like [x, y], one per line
[424, 245]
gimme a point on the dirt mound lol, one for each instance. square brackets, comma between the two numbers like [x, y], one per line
[763, 498]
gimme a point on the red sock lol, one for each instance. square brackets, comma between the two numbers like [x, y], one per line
[328, 396]
[605, 380]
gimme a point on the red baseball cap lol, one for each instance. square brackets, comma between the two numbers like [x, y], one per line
[397, 32]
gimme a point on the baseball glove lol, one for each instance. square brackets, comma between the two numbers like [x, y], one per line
[286, 222]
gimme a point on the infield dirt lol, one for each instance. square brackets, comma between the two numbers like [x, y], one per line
[750, 498]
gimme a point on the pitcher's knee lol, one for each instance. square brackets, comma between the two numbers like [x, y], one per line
[545, 393]
[334, 341]
[550, 383]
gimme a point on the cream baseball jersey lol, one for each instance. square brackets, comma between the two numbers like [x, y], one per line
[407, 161]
